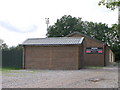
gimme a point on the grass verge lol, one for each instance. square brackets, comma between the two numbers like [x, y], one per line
[8, 69]
[93, 67]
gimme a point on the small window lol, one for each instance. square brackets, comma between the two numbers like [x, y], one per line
[94, 50]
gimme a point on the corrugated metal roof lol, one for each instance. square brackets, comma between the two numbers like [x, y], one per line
[54, 41]
[84, 36]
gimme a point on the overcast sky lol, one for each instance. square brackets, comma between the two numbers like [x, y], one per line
[22, 19]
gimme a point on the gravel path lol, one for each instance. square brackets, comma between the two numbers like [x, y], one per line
[84, 78]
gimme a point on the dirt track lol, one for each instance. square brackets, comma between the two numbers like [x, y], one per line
[84, 78]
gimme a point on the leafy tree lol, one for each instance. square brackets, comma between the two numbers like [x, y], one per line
[64, 26]
[112, 4]
[3, 45]
[69, 24]
[116, 46]
[1, 41]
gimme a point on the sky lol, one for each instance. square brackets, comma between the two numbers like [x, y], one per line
[22, 19]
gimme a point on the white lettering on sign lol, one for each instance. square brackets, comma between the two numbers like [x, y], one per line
[94, 50]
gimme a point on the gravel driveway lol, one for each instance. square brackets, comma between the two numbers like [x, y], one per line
[85, 78]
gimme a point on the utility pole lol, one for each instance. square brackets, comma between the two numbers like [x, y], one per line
[47, 22]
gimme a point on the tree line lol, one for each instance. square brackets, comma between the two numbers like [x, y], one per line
[68, 24]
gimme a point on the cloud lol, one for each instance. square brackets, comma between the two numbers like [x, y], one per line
[10, 27]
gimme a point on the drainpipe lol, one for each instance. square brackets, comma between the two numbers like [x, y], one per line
[104, 47]
[23, 57]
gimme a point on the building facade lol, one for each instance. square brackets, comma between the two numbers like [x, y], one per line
[73, 52]
[96, 53]
[53, 53]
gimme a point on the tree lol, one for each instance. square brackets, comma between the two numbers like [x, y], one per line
[16, 48]
[3, 45]
[112, 4]
[116, 46]
[1, 41]
[69, 24]
[64, 26]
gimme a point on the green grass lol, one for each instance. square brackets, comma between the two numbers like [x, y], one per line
[94, 67]
[8, 69]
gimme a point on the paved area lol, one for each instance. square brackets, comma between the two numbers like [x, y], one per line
[84, 78]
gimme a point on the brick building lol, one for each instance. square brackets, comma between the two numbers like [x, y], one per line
[96, 53]
[74, 51]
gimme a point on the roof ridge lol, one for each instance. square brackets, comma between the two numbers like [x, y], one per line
[84, 36]
[52, 38]
[54, 41]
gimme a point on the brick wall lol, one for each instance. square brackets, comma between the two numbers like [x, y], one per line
[109, 56]
[52, 57]
[92, 59]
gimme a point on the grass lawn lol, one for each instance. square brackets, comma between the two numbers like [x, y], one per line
[16, 70]
[8, 69]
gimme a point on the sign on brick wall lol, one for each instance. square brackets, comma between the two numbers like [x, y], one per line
[94, 50]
